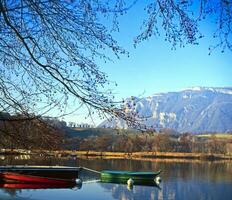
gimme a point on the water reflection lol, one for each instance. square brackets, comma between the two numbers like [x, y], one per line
[138, 192]
[181, 180]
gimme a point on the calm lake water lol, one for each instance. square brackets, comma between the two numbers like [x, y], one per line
[181, 179]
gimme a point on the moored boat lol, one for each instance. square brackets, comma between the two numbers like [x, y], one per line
[53, 172]
[12, 177]
[139, 178]
[56, 175]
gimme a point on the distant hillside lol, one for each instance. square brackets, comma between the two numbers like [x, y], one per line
[197, 109]
[87, 132]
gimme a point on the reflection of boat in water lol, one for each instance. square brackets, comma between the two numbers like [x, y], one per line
[35, 185]
[139, 178]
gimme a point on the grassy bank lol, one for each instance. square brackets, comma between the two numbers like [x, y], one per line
[121, 155]
[217, 136]
[164, 155]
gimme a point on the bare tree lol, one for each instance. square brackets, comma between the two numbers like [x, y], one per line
[181, 19]
[48, 50]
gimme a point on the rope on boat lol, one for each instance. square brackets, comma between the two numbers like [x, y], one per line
[91, 170]
[92, 181]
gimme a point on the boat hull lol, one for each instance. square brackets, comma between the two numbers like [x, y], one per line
[12, 177]
[38, 176]
[44, 171]
[62, 172]
[139, 178]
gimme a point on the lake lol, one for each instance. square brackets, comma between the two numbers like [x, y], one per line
[181, 179]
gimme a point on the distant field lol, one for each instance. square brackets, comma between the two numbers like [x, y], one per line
[87, 132]
[218, 135]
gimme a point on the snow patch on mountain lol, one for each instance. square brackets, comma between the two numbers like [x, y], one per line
[225, 90]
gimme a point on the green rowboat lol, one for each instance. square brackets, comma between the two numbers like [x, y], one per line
[139, 178]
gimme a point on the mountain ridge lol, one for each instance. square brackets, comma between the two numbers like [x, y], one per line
[195, 109]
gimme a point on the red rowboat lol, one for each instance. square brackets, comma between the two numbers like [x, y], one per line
[23, 178]
[57, 172]
[33, 177]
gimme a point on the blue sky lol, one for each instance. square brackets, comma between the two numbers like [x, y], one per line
[153, 67]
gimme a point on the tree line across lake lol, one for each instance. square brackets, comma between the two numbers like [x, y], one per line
[48, 133]
[156, 142]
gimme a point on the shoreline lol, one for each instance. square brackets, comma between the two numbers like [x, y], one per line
[152, 155]
[118, 155]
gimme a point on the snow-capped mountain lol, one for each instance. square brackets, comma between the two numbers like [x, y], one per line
[196, 109]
